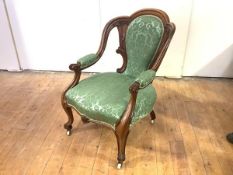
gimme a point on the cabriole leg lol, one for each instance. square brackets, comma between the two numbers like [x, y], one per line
[121, 137]
[68, 124]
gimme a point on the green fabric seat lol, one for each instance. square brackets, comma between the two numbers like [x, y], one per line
[104, 97]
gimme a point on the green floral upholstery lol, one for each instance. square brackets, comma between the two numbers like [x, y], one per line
[104, 97]
[142, 40]
[88, 60]
[145, 78]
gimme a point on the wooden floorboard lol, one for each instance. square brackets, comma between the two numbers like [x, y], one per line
[193, 117]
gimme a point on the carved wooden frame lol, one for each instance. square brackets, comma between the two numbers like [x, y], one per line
[123, 126]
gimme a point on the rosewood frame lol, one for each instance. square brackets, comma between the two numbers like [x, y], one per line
[123, 126]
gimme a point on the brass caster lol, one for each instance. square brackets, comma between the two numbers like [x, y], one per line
[119, 165]
[68, 132]
[152, 122]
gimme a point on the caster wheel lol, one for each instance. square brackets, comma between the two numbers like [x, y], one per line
[68, 132]
[152, 121]
[119, 165]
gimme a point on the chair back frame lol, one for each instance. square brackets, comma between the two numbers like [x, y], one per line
[122, 24]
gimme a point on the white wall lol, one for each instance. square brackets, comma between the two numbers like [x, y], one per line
[179, 12]
[210, 43]
[8, 58]
[51, 34]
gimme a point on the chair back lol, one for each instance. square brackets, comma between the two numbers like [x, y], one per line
[143, 37]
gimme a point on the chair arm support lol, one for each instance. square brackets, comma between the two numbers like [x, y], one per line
[145, 78]
[88, 60]
[122, 127]
[91, 59]
[77, 72]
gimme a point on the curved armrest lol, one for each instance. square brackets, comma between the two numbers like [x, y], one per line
[91, 59]
[88, 60]
[145, 78]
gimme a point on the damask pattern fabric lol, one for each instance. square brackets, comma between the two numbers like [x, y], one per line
[142, 40]
[104, 97]
[88, 60]
[145, 78]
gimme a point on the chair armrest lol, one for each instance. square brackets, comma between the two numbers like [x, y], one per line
[88, 60]
[91, 59]
[145, 78]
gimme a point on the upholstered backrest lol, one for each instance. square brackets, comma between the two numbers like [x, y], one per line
[143, 37]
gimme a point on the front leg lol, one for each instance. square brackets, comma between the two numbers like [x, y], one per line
[66, 107]
[123, 126]
[68, 124]
[121, 133]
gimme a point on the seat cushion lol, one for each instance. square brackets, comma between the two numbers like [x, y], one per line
[104, 98]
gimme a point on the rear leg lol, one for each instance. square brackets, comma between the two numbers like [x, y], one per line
[152, 116]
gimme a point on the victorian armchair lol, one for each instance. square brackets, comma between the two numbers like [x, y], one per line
[118, 100]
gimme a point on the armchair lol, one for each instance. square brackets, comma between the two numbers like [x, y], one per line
[118, 100]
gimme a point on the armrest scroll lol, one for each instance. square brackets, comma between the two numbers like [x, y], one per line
[145, 78]
[88, 60]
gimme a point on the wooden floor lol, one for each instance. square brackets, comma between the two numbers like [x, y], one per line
[193, 117]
